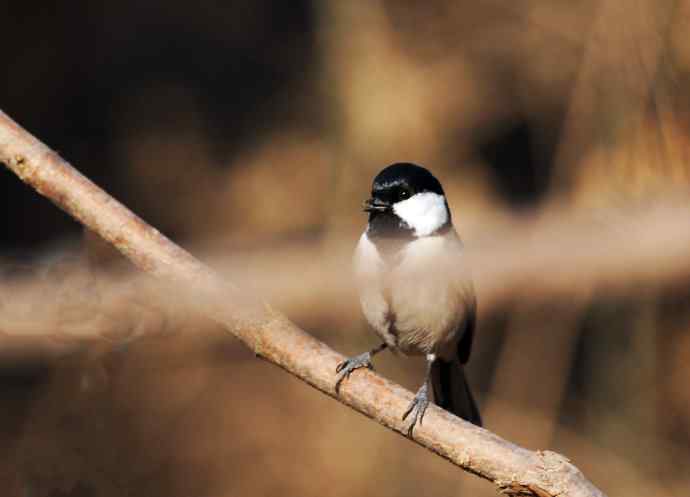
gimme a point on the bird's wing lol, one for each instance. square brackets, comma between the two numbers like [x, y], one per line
[467, 334]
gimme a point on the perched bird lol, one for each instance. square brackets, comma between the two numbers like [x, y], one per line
[414, 289]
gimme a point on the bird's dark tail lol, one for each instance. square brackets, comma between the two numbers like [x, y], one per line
[451, 391]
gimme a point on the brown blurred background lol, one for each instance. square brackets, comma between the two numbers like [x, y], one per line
[249, 133]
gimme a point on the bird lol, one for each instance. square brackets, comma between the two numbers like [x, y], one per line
[415, 289]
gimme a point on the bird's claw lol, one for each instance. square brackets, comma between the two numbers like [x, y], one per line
[418, 406]
[345, 368]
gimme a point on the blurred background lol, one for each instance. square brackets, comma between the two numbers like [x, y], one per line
[249, 132]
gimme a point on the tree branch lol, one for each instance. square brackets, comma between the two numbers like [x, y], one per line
[513, 469]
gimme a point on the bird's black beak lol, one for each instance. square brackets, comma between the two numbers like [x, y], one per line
[375, 205]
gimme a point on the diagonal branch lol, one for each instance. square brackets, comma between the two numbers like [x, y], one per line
[513, 469]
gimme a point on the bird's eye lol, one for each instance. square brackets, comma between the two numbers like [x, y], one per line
[404, 194]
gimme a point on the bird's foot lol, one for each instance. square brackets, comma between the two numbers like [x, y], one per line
[417, 408]
[346, 367]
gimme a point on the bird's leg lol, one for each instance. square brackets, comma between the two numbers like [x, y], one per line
[346, 367]
[421, 399]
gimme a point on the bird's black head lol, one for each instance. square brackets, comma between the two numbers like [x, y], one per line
[401, 181]
[393, 214]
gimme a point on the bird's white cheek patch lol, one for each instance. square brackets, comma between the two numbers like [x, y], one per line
[424, 212]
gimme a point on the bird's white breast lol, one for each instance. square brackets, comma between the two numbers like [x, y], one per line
[431, 293]
[417, 301]
[370, 272]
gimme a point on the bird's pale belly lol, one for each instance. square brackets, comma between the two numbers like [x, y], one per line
[418, 305]
[416, 320]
